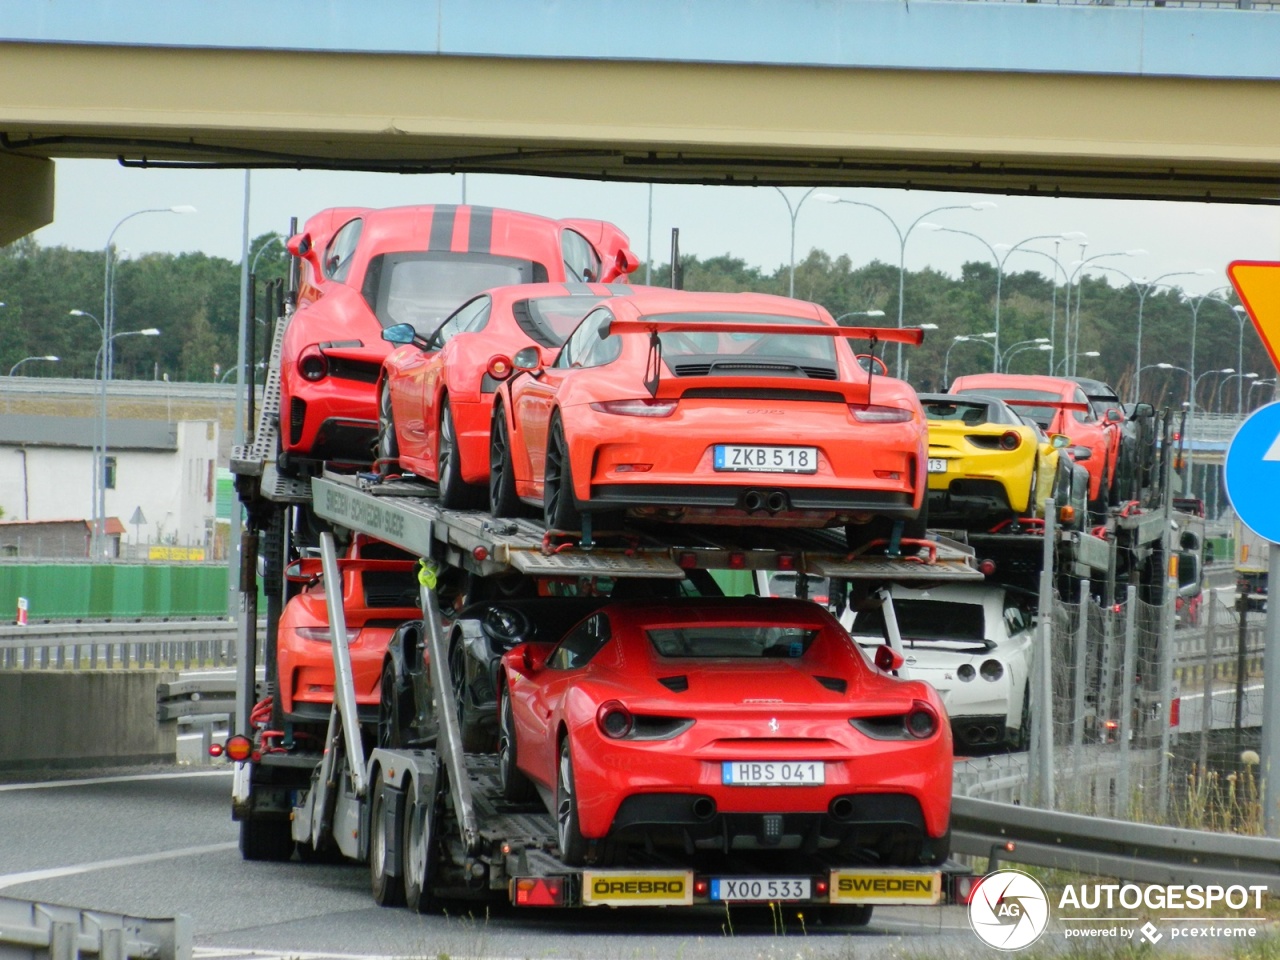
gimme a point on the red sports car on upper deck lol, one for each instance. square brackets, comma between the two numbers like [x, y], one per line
[1059, 405]
[435, 397]
[719, 726]
[365, 270]
[728, 408]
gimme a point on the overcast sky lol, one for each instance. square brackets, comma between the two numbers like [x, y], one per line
[751, 223]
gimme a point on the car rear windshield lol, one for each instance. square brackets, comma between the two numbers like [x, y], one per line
[1041, 415]
[550, 320]
[735, 345]
[926, 620]
[748, 641]
[424, 288]
[970, 413]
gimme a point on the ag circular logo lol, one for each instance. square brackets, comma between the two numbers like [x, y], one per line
[1009, 910]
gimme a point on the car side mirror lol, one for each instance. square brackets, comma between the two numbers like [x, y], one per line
[528, 360]
[1080, 454]
[1059, 440]
[1142, 411]
[302, 247]
[534, 656]
[887, 658]
[1114, 415]
[400, 333]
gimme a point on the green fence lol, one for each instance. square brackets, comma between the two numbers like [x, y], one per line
[72, 591]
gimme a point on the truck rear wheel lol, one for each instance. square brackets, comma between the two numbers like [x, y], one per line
[418, 847]
[385, 878]
[270, 840]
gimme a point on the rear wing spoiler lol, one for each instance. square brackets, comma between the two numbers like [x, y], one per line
[1055, 404]
[911, 335]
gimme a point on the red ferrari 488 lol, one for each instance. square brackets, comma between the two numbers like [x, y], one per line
[436, 390]
[720, 726]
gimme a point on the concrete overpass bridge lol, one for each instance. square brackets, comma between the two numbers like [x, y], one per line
[1142, 98]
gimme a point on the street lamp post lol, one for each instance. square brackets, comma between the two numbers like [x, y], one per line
[860, 313]
[1269, 382]
[1194, 382]
[794, 211]
[962, 338]
[1072, 341]
[1196, 303]
[1144, 287]
[1013, 348]
[1240, 378]
[903, 236]
[1241, 316]
[1014, 351]
[102, 358]
[1068, 363]
[96, 470]
[50, 358]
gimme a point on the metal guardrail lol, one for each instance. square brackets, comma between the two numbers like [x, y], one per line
[176, 644]
[1113, 848]
[40, 930]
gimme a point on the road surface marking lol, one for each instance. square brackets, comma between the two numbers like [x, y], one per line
[89, 781]
[52, 873]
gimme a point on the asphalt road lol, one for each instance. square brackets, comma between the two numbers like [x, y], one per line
[157, 843]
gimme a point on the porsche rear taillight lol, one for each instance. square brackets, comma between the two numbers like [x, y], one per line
[499, 367]
[313, 365]
[922, 722]
[1010, 440]
[614, 720]
[640, 407]
[878, 413]
[322, 634]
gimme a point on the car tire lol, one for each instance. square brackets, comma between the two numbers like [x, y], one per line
[845, 914]
[503, 501]
[573, 846]
[516, 787]
[418, 845]
[386, 880]
[474, 738]
[455, 493]
[266, 839]
[560, 512]
[386, 454]
[395, 711]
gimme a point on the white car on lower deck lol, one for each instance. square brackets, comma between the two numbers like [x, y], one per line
[972, 642]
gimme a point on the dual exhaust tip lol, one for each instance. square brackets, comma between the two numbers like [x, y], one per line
[757, 501]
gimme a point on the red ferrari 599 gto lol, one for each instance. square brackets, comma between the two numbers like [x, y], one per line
[364, 270]
[728, 408]
[718, 726]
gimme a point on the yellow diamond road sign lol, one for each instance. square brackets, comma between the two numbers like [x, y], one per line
[1257, 283]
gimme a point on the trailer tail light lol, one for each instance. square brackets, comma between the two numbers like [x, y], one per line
[1067, 515]
[987, 567]
[215, 750]
[701, 887]
[499, 368]
[688, 561]
[737, 561]
[786, 561]
[239, 747]
[538, 891]
[820, 888]
[962, 887]
[480, 554]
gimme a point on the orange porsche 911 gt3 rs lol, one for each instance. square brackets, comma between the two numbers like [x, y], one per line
[741, 409]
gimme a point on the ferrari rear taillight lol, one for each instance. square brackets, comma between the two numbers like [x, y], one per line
[1010, 440]
[614, 720]
[640, 407]
[499, 367]
[312, 364]
[878, 413]
[922, 722]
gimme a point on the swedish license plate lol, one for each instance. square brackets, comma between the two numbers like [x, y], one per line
[937, 465]
[773, 773]
[734, 457]
[760, 888]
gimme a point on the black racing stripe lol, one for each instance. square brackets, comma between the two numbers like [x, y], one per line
[481, 239]
[442, 218]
